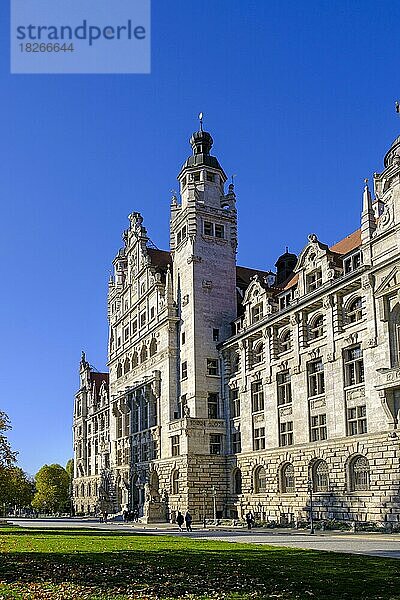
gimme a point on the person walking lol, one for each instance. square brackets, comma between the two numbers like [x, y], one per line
[249, 520]
[180, 519]
[188, 521]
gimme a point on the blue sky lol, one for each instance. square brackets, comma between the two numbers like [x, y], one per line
[299, 97]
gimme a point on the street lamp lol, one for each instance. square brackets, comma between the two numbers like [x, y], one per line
[310, 491]
[204, 508]
[214, 493]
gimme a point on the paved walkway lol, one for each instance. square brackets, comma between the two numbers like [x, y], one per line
[373, 544]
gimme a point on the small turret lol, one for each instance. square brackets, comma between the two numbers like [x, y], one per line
[285, 266]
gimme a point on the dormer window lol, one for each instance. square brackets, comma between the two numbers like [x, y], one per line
[210, 176]
[352, 263]
[284, 301]
[196, 176]
[314, 280]
[256, 313]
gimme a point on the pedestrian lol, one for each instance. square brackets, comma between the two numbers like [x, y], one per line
[188, 521]
[180, 519]
[249, 520]
[105, 516]
[125, 516]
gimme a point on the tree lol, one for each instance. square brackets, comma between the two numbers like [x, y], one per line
[7, 456]
[52, 489]
[16, 487]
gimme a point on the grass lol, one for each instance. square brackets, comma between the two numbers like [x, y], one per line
[63, 564]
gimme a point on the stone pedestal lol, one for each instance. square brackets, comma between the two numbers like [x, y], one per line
[153, 512]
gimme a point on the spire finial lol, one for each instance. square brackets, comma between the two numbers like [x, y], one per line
[286, 249]
[201, 121]
[366, 183]
[397, 105]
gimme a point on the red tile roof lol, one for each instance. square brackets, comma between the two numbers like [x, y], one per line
[349, 243]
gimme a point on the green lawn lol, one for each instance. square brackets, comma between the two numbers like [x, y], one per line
[81, 564]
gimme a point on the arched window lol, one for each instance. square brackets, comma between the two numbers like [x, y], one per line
[258, 353]
[359, 474]
[82, 490]
[175, 482]
[316, 328]
[320, 476]
[260, 481]
[287, 479]
[354, 311]
[285, 341]
[143, 354]
[127, 365]
[89, 489]
[135, 360]
[237, 481]
[153, 347]
[119, 370]
[395, 336]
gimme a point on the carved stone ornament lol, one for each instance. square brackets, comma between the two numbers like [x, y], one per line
[313, 354]
[330, 357]
[294, 319]
[296, 369]
[328, 302]
[194, 259]
[352, 339]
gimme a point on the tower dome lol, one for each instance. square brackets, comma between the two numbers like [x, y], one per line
[392, 156]
[285, 266]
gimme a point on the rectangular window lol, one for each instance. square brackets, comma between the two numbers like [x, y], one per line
[316, 380]
[318, 429]
[215, 335]
[119, 426]
[143, 319]
[145, 452]
[208, 228]
[257, 396]
[256, 313]
[353, 366]
[219, 231]
[357, 420]
[286, 433]
[284, 301]
[175, 446]
[126, 334]
[259, 438]
[135, 455]
[127, 425]
[213, 406]
[212, 366]
[183, 337]
[196, 176]
[235, 403]
[154, 450]
[284, 388]
[184, 370]
[152, 312]
[215, 443]
[314, 280]
[178, 238]
[183, 232]
[236, 442]
[352, 263]
[210, 176]
[134, 326]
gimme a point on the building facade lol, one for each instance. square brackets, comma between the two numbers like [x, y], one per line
[232, 389]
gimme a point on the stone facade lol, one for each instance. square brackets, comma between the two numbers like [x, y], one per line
[232, 389]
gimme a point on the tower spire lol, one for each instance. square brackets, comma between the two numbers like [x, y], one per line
[201, 121]
[368, 224]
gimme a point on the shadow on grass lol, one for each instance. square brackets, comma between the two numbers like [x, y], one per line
[169, 569]
[48, 531]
